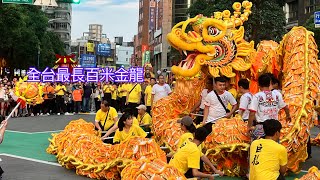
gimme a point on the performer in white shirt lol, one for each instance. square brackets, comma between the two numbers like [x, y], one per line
[265, 105]
[160, 90]
[216, 104]
[245, 99]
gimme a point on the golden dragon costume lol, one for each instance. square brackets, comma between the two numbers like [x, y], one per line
[215, 46]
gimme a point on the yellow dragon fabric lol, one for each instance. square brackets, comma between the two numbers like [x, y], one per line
[79, 147]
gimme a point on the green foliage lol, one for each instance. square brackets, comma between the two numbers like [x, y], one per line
[23, 28]
[311, 27]
[266, 21]
[50, 46]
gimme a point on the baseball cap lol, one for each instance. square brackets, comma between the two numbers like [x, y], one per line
[186, 120]
[142, 107]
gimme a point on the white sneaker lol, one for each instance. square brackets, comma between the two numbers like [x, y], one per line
[32, 114]
[41, 114]
[58, 114]
[48, 114]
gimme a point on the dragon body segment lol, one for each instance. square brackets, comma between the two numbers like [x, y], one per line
[167, 110]
[79, 147]
[300, 88]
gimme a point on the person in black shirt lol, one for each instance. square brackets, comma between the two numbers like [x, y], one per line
[87, 92]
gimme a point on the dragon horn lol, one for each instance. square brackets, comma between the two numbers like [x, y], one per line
[236, 20]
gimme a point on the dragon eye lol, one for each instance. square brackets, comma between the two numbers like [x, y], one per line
[213, 31]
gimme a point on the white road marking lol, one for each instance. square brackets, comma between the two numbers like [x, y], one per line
[30, 159]
[46, 132]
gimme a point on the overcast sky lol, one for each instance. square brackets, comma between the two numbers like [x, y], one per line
[118, 17]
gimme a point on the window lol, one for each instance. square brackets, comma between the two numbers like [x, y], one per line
[52, 26]
[140, 29]
[127, 53]
[127, 59]
[311, 2]
[311, 6]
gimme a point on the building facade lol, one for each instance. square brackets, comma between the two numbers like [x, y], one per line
[103, 50]
[168, 14]
[123, 55]
[79, 47]
[60, 22]
[95, 32]
[298, 11]
[179, 10]
[143, 29]
[135, 52]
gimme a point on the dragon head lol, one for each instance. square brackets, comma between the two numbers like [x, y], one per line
[214, 42]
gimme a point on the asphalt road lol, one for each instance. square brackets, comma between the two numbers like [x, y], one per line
[23, 150]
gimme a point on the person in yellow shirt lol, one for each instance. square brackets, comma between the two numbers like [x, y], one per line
[114, 95]
[268, 158]
[188, 128]
[119, 97]
[144, 118]
[60, 90]
[187, 158]
[122, 96]
[133, 97]
[106, 117]
[115, 126]
[127, 129]
[148, 94]
[107, 92]
[124, 91]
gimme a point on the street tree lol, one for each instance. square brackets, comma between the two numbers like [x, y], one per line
[23, 29]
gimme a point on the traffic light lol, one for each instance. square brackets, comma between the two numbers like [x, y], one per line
[69, 1]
